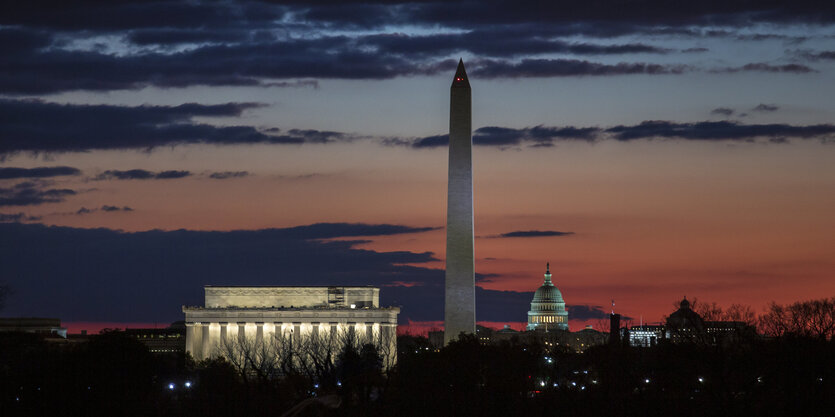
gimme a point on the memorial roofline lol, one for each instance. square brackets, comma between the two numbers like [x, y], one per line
[317, 308]
[290, 286]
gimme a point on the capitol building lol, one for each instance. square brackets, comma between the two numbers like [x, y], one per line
[548, 307]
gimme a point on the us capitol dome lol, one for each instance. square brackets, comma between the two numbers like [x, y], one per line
[548, 307]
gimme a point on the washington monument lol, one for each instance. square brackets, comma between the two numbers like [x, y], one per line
[459, 305]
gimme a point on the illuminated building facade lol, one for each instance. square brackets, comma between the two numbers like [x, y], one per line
[646, 335]
[548, 307]
[273, 316]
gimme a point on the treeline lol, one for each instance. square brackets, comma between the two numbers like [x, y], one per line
[813, 318]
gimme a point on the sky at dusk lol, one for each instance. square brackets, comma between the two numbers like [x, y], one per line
[649, 150]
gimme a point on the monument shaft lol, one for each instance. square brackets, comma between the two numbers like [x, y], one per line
[459, 305]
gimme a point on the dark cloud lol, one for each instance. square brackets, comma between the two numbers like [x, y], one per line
[535, 233]
[141, 174]
[88, 127]
[198, 15]
[172, 36]
[528, 68]
[106, 16]
[40, 172]
[430, 142]
[504, 136]
[494, 42]
[817, 56]
[146, 127]
[256, 43]
[694, 50]
[720, 131]
[766, 108]
[17, 218]
[104, 208]
[722, 111]
[167, 175]
[32, 194]
[764, 67]
[480, 278]
[623, 16]
[246, 64]
[114, 208]
[653, 129]
[102, 274]
[589, 312]
[228, 174]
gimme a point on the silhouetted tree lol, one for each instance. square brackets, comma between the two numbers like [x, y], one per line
[814, 318]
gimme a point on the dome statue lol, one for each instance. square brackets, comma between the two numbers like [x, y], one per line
[548, 307]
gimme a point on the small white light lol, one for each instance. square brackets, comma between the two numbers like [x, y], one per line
[188, 384]
[701, 379]
[353, 306]
[338, 383]
[171, 386]
[646, 381]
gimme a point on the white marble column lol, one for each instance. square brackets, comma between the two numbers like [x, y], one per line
[369, 332]
[314, 331]
[297, 332]
[224, 327]
[190, 338]
[259, 332]
[206, 348]
[241, 332]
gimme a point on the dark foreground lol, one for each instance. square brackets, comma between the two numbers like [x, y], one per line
[114, 375]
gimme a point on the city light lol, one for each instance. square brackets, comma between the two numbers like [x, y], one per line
[187, 384]
[171, 386]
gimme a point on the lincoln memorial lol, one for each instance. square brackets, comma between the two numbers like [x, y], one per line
[295, 315]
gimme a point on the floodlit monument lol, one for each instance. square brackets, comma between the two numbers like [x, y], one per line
[459, 304]
[548, 307]
[285, 320]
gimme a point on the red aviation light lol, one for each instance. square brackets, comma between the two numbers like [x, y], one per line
[459, 79]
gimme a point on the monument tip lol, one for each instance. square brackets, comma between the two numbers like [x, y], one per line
[461, 79]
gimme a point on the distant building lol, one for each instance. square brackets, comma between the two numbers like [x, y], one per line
[547, 307]
[46, 327]
[646, 335]
[171, 339]
[686, 326]
[289, 316]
